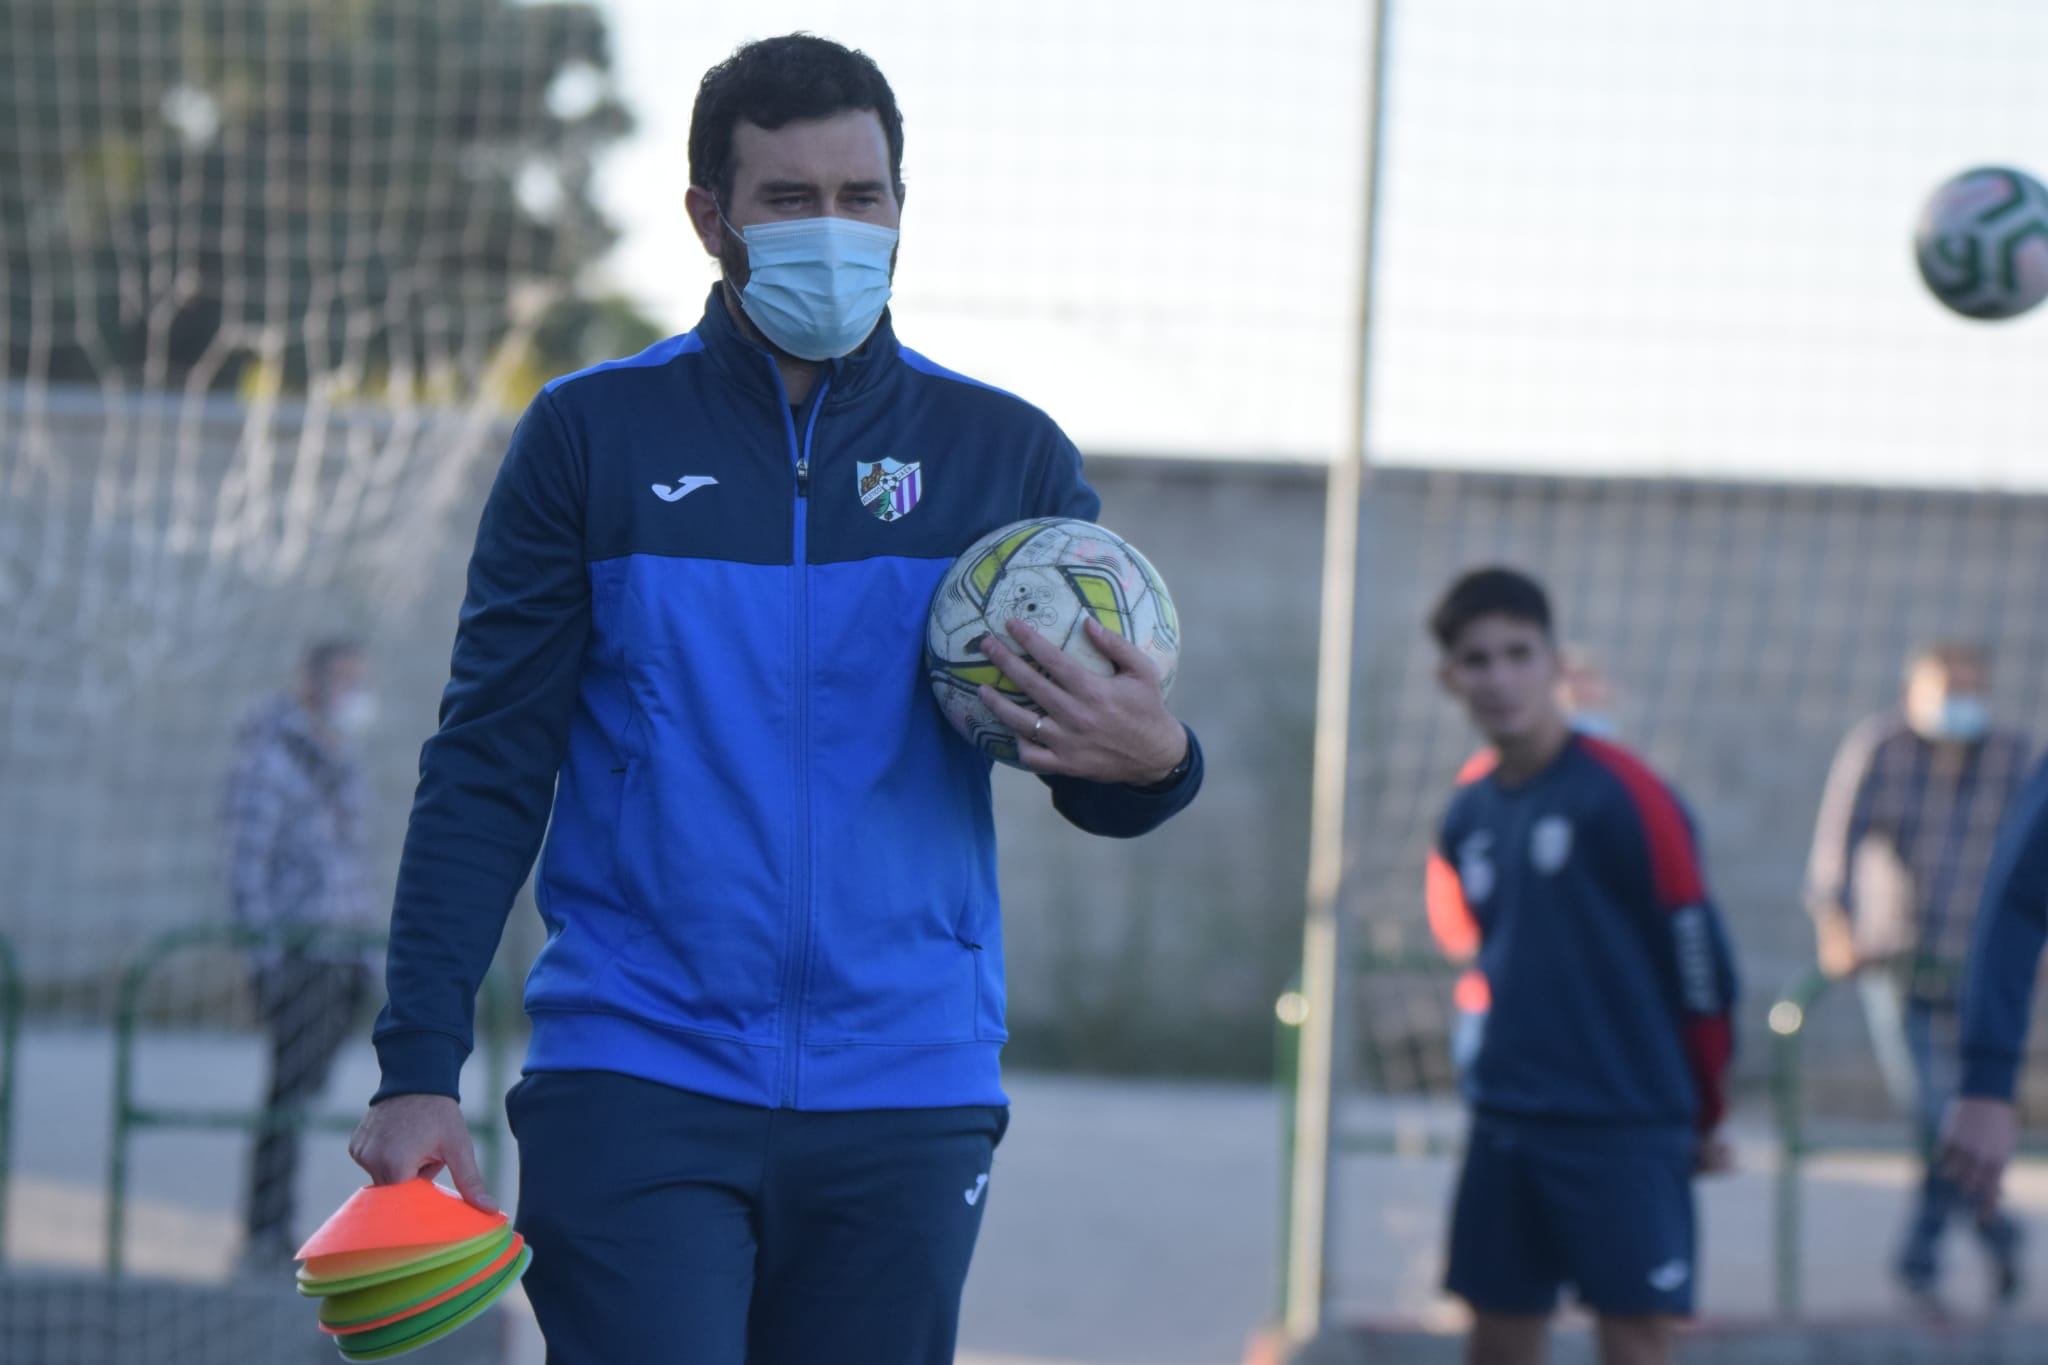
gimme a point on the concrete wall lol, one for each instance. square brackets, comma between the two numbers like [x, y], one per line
[1168, 951]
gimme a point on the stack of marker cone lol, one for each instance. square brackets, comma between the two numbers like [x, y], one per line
[400, 1266]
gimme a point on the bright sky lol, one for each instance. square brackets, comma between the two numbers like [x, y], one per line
[1616, 236]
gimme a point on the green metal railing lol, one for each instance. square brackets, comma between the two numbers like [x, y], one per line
[1290, 1012]
[10, 1039]
[1787, 1020]
[130, 1116]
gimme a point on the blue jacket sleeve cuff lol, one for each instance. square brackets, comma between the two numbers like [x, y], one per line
[1989, 1077]
[1183, 770]
[1120, 811]
[420, 1062]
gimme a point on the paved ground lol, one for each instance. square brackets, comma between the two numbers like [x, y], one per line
[1129, 1223]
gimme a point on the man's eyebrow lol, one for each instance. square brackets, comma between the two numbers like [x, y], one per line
[786, 187]
[864, 187]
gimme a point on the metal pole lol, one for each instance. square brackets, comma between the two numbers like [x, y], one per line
[1286, 1076]
[1787, 1020]
[1786, 1247]
[125, 1012]
[1322, 952]
[10, 1041]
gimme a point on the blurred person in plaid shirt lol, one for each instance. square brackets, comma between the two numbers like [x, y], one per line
[296, 815]
[1902, 847]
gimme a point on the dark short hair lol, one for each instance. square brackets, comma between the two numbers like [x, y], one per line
[1493, 591]
[322, 655]
[1946, 654]
[780, 80]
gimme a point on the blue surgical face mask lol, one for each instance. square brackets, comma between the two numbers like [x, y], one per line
[353, 713]
[817, 286]
[1962, 719]
[1598, 724]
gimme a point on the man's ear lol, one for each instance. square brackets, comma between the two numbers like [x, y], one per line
[702, 207]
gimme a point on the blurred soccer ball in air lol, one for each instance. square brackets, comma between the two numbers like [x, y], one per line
[1983, 243]
[1052, 573]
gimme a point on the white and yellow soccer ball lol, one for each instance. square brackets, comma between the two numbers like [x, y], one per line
[1983, 243]
[1051, 573]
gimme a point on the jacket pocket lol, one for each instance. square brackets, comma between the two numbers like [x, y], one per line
[980, 932]
[707, 952]
[893, 976]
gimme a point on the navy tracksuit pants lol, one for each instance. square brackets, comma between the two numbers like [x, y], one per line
[669, 1228]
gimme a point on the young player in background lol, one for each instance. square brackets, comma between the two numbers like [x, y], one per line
[1597, 1088]
[1586, 699]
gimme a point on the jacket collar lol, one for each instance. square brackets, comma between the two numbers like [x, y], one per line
[751, 367]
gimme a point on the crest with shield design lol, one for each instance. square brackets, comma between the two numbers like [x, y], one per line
[890, 488]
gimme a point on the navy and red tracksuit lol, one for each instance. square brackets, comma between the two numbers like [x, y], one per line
[1609, 1035]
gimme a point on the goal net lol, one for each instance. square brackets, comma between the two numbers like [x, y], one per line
[272, 274]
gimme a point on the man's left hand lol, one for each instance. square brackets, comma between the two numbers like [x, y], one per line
[1978, 1137]
[1105, 729]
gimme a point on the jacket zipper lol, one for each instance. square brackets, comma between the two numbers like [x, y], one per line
[796, 969]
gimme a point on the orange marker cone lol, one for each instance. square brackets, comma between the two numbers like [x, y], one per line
[400, 1266]
[383, 1217]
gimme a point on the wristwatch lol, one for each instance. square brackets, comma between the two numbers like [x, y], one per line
[1180, 770]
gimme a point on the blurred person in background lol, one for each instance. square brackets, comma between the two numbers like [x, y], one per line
[1981, 1131]
[1587, 700]
[1901, 849]
[1597, 1090]
[297, 838]
[1585, 694]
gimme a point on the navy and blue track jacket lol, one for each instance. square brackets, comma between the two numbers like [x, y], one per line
[1611, 975]
[2012, 927]
[770, 875]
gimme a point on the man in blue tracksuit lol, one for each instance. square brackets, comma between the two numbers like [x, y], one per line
[1597, 1084]
[1982, 1130]
[762, 1093]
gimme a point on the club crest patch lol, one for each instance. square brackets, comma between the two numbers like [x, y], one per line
[1550, 844]
[889, 488]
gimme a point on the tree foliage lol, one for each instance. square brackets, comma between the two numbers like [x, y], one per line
[372, 194]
